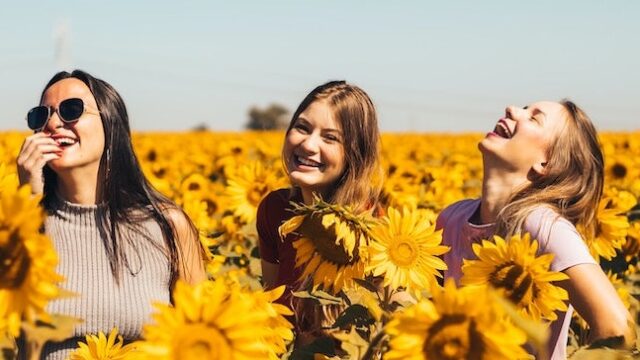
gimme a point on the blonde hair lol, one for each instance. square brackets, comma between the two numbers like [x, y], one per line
[572, 184]
[360, 184]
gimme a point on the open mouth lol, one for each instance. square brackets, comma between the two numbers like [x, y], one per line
[301, 161]
[503, 130]
[65, 142]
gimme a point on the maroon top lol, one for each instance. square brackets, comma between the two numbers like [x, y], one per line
[275, 209]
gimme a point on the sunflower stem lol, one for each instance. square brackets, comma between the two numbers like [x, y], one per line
[33, 349]
[374, 345]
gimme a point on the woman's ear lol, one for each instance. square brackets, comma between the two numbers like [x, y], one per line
[540, 168]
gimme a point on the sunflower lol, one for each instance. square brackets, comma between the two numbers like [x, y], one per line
[248, 186]
[196, 184]
[524, 278]
[618, 168]
[631, 247]
[456, 324]
[229, 153]
[612, 225]
[405, 249]
[332, 243]
[102, 348]
[8, 179]
[401, 192]
[217, 320]
[28, 260]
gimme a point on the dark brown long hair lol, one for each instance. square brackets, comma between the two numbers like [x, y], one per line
[361, 182]
[127, 194]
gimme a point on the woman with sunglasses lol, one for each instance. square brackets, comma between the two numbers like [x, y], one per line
[121, 244]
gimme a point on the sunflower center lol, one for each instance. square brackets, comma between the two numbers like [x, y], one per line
[324, 241]
[152, 156]
[403, 252]
[160, 173]
[15, 261]
[194, 186]
[517, 282]
[619, 171]
[212, 207]
[198, 341]
[453, 337]
[255, 194]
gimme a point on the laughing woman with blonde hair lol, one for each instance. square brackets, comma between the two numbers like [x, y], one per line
[543, 175]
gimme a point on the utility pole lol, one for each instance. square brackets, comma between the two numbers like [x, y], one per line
[62, 45]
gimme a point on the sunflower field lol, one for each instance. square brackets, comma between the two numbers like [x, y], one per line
[371, 284]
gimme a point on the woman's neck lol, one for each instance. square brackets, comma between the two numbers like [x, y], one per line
[497, 187]
[78, 186]
[307, 195]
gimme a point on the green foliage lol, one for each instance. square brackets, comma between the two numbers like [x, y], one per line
[274, 117]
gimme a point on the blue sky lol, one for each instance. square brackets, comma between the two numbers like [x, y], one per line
[429, 66]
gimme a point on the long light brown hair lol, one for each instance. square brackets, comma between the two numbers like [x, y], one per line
[573, 181]
[359, 186]
[361, 181]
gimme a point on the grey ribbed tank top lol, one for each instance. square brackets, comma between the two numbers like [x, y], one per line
[84, 264]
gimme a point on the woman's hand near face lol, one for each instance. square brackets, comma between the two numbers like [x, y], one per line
[36, 151]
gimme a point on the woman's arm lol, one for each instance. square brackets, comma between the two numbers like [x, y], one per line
[590, 291]
[596, 300]
[268, 239]
[191, 254]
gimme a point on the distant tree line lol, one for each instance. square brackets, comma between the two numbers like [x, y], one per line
[273, 117]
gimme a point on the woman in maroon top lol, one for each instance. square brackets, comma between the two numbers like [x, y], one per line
[331, 149]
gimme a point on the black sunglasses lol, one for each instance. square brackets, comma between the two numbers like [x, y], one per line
[69, 111]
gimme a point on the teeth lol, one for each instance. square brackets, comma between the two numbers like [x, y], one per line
[502, 131]
[66, 141]
[307, 162]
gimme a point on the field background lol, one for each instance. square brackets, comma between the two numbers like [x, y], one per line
[220, 178]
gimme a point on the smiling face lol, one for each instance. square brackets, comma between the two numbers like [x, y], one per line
[313, 149]
[82, 142]
[521, 139]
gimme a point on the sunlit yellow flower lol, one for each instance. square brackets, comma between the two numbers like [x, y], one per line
[621, 289]
[27, 263]
[332, 243]
[618, 168]
[248, 186]
[217, 320]
[8, 179]
[280, 335]
[102, 348]
[611, 230]
[631, 246]
[195, 183]
[513, 268]
[405, 249]
[457, 324]
[231, 153]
